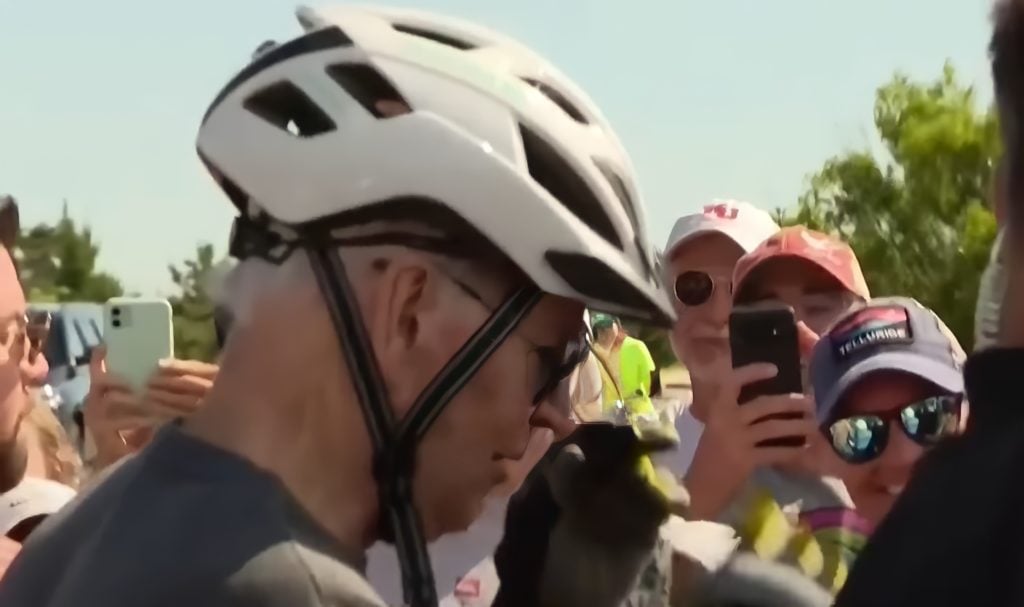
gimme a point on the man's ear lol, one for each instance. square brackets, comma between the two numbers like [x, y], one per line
[406, 295]
[404, 290]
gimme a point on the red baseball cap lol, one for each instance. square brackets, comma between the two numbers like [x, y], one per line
[827, 252]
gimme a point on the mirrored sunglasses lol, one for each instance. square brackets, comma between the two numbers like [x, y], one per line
[858, 439]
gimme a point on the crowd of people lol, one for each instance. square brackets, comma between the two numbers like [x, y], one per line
[428, 392]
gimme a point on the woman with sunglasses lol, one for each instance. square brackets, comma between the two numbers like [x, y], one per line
[889, 385]
[699, 259]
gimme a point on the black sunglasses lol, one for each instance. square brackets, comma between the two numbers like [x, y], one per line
[556, 365]
[693, 287]
[858, 439]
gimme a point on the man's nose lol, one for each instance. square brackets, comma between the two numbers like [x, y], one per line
[34, 370]
[552, 418]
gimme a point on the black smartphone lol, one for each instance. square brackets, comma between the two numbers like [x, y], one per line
[762, 334]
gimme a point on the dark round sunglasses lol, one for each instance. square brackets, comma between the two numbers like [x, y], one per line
[858, 439]
[693, 287]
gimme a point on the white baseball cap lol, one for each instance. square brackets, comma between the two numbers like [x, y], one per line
[745, 224]
[31, 498]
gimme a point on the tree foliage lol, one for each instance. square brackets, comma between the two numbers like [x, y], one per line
[657, 342]
[194, 336]
[58, 264]
[918, 218]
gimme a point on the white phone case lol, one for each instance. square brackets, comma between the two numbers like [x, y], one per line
[138, 333]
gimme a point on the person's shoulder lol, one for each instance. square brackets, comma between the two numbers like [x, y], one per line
[292, 573]
[633, 343]
[637, 348]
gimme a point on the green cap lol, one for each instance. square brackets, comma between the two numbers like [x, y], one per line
[599, 320]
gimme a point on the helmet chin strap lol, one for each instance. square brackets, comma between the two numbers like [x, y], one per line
[394, 442]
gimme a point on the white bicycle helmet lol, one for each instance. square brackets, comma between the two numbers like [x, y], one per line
[387, 114]
[493, 132]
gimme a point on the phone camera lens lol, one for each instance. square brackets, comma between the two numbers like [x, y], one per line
[115, 311]
[117, 324]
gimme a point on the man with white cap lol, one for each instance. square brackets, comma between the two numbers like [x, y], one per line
[699, 259]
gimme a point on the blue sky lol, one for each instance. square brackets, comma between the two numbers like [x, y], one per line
[100, 100]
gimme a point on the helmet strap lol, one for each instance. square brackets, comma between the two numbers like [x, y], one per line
[395, 443]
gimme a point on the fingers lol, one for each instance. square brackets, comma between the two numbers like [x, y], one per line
[749, 374]
[123, 406]
[195, 368]
[767, 406]
[777, 456]
[170, 404]
[178, 387]
[97, 363]
[779, 428]
[188, 385]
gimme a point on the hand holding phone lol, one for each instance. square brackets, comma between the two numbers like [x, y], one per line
[768, 334]
[138, 333]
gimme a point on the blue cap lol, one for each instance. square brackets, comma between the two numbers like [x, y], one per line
[888, 333]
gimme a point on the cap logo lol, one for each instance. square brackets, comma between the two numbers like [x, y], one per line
[721, 211]
[871, 327]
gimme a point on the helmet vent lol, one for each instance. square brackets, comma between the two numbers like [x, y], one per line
[313, 42]
[554, 173]
[285, 106]
[370, 89]
[558, 99]
[618, 186]
[594, 280]
[440, 38]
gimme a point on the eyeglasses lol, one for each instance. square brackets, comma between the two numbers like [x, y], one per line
[556, 363]
[693, 287]
[858, 439]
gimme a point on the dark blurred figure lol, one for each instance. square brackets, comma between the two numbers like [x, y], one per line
[955, 536]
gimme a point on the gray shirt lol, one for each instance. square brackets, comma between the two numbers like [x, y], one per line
[185, 524]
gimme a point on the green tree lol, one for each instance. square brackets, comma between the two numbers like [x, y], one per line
[194, 336]
[58, 264]
[918, 218]
[658, 343]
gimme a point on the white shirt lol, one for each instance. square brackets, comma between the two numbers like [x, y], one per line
[451, 556]
[678, 460]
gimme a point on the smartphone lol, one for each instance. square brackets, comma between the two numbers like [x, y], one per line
[138, 333]
[767, 334]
